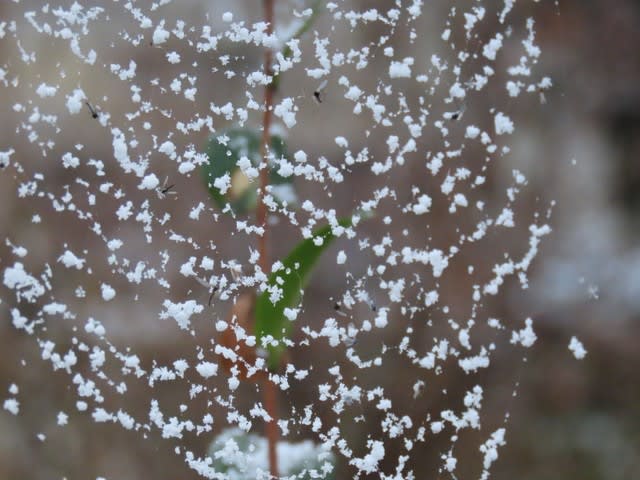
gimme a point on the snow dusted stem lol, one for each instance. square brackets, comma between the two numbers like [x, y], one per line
[269, 389]
[261, 210]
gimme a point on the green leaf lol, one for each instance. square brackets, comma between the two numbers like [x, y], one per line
[286, 52]
[224, 151]
[306, 25]
[289, 281]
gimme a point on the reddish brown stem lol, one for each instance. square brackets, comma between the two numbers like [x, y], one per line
[270, 395]
[269, 391]
[261, 210]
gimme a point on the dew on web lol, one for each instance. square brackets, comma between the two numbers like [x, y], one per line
[309, 289]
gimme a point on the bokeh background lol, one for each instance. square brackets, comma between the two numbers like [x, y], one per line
[580, 152]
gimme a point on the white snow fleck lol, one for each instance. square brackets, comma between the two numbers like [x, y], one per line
[505, 218]
[70, 260]
[223, 183]
[168, 148]
[173, 57]
[503, 124]
[369, 463]
[341, 141]
[577, 348]
[160, 35]
[456, 91]
[12, 406]
[75, 101]
[108, 293]
[472, 132]
[25, 285]
[401, 69]
[181, 312]
[286, 110]
[207, 369]
[221, 326]
[460, 199]
[300, 156]
[525, 337]
[491, 49]
[149, 182]
[233, 383]
[70, 161]
[428, 361]
[423, 205]
[490, 449]
[62, 419]
[45, 90]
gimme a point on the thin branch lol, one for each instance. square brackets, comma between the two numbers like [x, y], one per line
[270, 395]
[269, 389]
[261, 210]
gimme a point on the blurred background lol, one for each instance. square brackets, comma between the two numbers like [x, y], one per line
[580, 151]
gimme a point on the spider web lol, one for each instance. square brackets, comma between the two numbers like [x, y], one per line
[397, 115]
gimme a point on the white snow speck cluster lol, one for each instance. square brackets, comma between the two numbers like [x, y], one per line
[577, 348]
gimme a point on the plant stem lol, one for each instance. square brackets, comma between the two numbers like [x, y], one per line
[269, 391]
[261, 210]
[270, 394]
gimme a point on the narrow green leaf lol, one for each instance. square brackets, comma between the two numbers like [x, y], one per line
[290, 280]
[304, 28]
[316, 8]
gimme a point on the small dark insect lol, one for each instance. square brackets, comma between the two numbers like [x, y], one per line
[317, 94]
[94, 114]
[213, 289]
[165, 189]
[457, 115]
[338, 308]
[213, 293]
